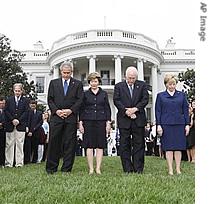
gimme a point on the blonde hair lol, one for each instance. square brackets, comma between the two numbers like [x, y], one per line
[94, 75]
[170, 77]
[19, 85]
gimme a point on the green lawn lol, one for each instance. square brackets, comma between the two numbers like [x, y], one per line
[31, 184]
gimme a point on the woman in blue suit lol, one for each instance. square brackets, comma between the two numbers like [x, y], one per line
[172, 118]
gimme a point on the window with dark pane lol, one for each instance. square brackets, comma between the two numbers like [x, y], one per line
[40, 84]
[105, 77]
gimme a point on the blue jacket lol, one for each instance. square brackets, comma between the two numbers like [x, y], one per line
[20, 112]
[171, 110]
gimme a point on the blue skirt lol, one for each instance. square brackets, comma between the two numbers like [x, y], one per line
[173, 138]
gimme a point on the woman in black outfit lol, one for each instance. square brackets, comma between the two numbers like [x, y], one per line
[191, 136]
[95, 120]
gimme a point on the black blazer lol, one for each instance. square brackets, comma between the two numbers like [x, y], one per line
[95, 107]
[2, 120]
[35, 121]
[122, 100]
[57, 100]
[20, 113]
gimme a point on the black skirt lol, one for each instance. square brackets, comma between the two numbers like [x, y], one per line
[94, 134]
[191, 138]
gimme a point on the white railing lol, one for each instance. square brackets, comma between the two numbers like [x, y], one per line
[104, 35]
[34, 55]
[178, 54]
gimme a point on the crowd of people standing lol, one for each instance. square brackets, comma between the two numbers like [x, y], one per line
[21, 130]
[27, 131]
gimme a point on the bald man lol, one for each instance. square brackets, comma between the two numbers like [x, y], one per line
[130, 98]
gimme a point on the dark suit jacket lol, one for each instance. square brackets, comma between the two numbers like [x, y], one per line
[95, 107]
[20, 113]
[35, 121]
[171, 110]
[122, 100]
[73, 99]
[2, 120]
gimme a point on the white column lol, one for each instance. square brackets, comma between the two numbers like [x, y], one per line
[118, 77]
[71, 61]
[55, 72]
[140, 67]
[154, 89]
[118, 68]
[92, 63]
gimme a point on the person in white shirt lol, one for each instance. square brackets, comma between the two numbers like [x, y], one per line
[41, 146]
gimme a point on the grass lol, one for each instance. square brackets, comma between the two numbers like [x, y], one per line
[31, 184]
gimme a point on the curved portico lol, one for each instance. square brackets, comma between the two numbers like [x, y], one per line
[94, 43]
[108, 52]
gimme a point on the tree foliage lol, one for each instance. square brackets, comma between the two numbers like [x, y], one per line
[41, 107]
[188, 78]
[11, 72]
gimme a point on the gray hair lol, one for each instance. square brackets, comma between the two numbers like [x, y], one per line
[131, 69]
[67, 64]
[19, 85]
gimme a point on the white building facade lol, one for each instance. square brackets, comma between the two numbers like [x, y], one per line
[108, 52]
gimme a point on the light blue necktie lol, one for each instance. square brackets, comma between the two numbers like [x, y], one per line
[131, 90]
[17, 101]
[65, 87]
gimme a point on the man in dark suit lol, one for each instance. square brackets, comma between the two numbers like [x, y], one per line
[65, 96]
[130, 98]
[16, 116]
[2, 132]
[35, 122]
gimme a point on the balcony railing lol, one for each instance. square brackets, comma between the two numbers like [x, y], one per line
[104, 35]
[108, 81]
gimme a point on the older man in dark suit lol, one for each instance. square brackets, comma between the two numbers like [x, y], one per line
[130, 98]
[65, 96]
[16, 117]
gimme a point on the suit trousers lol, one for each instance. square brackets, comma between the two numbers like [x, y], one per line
[62, 143]
[27, 149]
[2, 147]
[132, 148]
[34, 146]
[14, 146]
